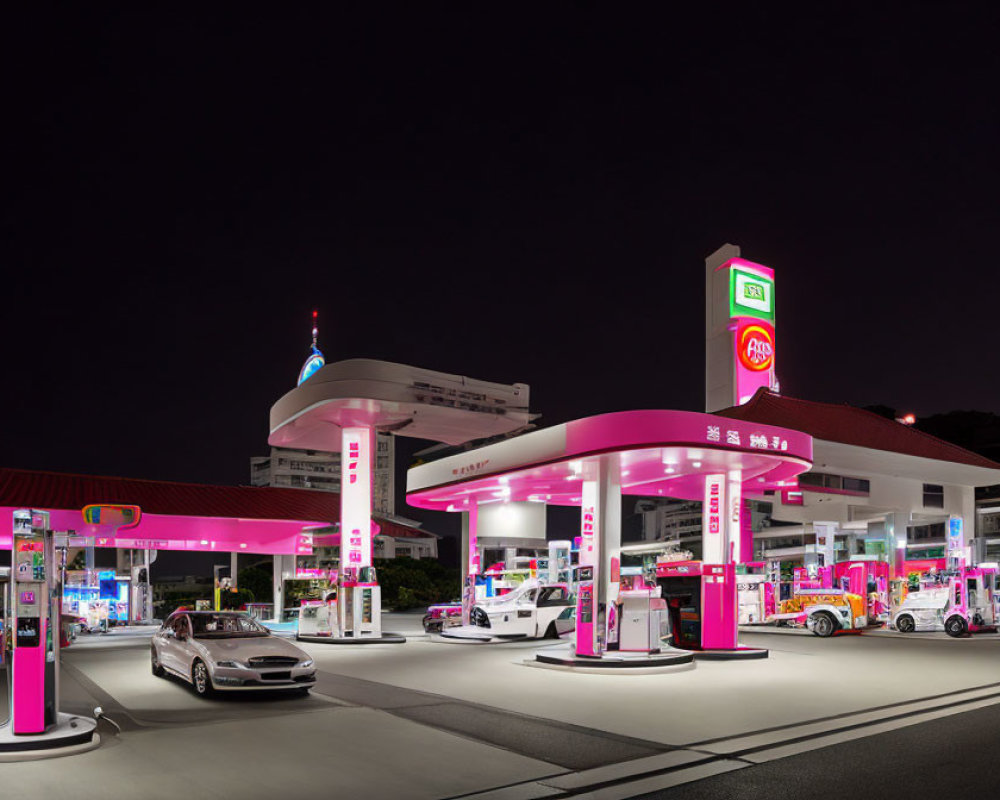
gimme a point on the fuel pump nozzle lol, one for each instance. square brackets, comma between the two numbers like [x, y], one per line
[100, 715]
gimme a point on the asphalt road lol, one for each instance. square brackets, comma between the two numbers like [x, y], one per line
[953, 757]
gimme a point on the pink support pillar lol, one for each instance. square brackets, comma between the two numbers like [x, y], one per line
[357, 449]
[470, 565]
[721, 549]
[587, 618]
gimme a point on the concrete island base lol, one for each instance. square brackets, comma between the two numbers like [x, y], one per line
[565, 657]
[70, 735]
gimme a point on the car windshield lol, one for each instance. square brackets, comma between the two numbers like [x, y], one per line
[225, 626]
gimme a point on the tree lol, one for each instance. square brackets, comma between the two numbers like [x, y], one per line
[257, 582]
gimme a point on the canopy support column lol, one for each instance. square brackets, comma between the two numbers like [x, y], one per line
[721, 550]
[359, 601]
[470, 559]
[600, 546]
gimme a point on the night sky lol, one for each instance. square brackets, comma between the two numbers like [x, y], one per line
[511, 192]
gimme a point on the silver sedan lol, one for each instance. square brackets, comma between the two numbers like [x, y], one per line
[228, 651]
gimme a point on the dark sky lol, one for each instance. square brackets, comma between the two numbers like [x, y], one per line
[513, 192]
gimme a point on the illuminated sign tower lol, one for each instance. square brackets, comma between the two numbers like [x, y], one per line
[739, 329]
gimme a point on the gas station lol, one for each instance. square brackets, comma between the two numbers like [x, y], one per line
[665, 617]
[591, 463]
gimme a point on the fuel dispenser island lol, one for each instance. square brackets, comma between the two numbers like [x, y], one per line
[643, 622]
[33, 594]
[360, 603]
[701, 602]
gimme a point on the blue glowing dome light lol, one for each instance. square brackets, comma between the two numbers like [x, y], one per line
[313, 363]
[315, 360]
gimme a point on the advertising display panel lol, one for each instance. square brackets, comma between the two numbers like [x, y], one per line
[713, 547]
[751, 307]
[356, 498]
[751, 292]
[740, 330]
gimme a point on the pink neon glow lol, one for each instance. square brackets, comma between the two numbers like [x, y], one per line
[765, 455]
[751, 266]
[206, 534]
[29, 686]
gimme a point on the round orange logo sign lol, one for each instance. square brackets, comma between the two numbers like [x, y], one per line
[756, 348]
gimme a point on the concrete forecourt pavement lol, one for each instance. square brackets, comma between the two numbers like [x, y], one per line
[430, 719]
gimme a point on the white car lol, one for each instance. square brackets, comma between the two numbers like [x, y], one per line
[922, 611]
[532, 610]
[229, 651]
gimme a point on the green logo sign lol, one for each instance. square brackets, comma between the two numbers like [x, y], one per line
[750, 294]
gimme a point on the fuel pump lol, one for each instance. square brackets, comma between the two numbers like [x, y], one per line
[586, 616]
[32, 592]
[35, 656]
[358, 600]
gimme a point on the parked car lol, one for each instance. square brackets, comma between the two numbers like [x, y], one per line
[532, 610]
[228, 651]
[825, 612]
[922, 611]
[961, 603]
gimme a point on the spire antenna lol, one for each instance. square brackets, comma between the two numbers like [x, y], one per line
[315, 359]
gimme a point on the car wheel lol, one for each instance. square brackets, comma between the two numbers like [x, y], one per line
[824, 625]
[551, 632]
[956, 627]
[158, 670]
[905, 624]
[200, 679]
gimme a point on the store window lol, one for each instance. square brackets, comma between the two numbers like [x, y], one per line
[856, 485]
[933, 495]
[822, 480]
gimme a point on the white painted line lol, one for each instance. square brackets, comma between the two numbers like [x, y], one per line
[624, 769]
[860, 733]
[776, 737]
[622, 791]
[520, 791]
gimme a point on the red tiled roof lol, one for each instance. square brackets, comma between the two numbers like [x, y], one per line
[846, 424]
[60, 490]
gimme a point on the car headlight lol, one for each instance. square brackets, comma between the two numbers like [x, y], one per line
[231, 664]
[307, 663]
